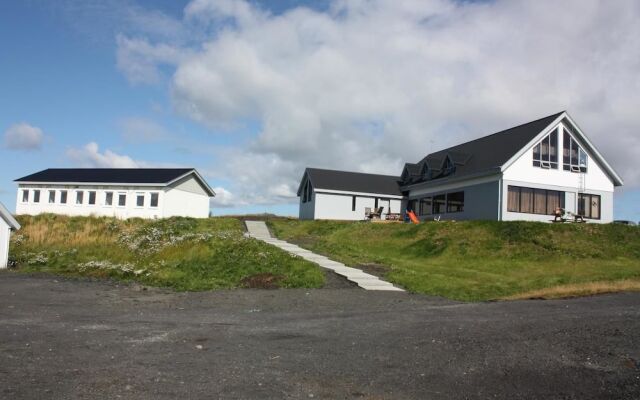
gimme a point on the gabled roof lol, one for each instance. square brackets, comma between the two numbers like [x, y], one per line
[8, 218]
[352, 182]
[489, 152]
[127, 176]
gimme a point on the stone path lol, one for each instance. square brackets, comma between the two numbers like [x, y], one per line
[259, 230]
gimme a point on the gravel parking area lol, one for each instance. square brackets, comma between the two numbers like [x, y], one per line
[81, 339]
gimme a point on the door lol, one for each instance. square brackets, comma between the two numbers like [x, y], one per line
[570, 202]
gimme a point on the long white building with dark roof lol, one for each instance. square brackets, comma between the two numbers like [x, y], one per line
[115, 192]
[523, 173]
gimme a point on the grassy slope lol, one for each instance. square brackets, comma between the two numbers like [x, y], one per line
[182, 253]
[479, 260]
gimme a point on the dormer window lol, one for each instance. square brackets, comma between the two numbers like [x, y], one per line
[448, 166]
[426, 172]
[574, 158]
[545, 153]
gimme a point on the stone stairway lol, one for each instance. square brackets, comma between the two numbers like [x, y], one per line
[259, 230]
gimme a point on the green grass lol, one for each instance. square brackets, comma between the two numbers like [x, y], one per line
[181, 253]
[477, 260]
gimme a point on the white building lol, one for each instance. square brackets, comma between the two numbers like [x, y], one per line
[7, 224]
[522, 173]
[328, 194]
[115, 192]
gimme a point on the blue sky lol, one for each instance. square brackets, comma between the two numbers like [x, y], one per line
[251, 93]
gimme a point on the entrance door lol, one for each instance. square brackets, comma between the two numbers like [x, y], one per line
[570, 202]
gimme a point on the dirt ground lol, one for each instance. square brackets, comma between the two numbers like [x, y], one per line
[83, 339]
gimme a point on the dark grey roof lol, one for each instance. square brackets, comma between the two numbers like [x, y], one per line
[353, 181]
[8, 218]
[488, 152]
[107, 175]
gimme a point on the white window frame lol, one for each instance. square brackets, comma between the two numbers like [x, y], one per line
[138, 195]
[34, 196]
[81, 193]
[95, 197]
[66, 200]
[106, 195]
[157, 194]
[50, 192]
[27, 192]
[125, 200]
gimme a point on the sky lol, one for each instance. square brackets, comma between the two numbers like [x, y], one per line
[252, 92]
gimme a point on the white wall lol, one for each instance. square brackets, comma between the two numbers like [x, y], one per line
[185, 198]
[340, 206]
[5, 234]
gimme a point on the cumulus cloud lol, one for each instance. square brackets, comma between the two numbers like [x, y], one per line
[225, 199]
[142, 130]
[369, 85]
[89, 156]
[23, 136]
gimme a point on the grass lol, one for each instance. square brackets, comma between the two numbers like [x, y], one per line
[180, 253]
[482, 260]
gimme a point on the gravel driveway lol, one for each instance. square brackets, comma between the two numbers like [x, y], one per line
[83, 339]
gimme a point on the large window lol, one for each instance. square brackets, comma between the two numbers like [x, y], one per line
[63, 197]
[574, 158]
[589, 205]
[425, 206]
[534, 201]
[455, 202]
[154, 200]
[439, 205]
[545, 153]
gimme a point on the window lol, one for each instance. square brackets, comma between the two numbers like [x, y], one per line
[79, 197]
[92, 198]
[122, 199]
[154, 200]
[353, 203]
[455, 202]
[375, 203]
[534, 201]
[306, 191]
[574, 158]
[52, 196]
[63, 197]
[25, 196]
[439, 205]
[589, 205]
[108, 198]
[140, 200]
[425, 206]
[36, 196]
[448, 167]
[545, 153]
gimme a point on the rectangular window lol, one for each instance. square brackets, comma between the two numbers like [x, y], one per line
[455, 202]
[79, 197]
[92, 198]
[545, 153]
[375, 204]
[140, 200]
[52, 196]
[589, 205]
[534, 201]
[122, 199]
[439, 204]
[154, 200]
[425, 206]
[574, 158]
[108, 198]
[353, 203]
[25, 196]
[63, 197]
[36, 196]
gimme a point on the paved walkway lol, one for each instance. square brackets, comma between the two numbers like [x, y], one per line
[259, 230]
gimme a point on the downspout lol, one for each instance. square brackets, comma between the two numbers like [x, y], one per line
[500, 199]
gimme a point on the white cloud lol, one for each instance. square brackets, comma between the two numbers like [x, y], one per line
[142, 130]
[89, 156]
[369, 85]
[140, 60]
[224, 199]
[23, 136]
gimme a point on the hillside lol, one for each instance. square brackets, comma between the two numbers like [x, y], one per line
[181, 253]
[481, 260]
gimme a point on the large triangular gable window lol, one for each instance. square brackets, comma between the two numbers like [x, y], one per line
[545, 153]
[574, 158]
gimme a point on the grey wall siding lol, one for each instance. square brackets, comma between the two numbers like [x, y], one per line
[606, 199]
[307, 210]
[480, 202]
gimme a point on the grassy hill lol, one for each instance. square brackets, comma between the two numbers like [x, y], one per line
[481, 260]
[182, 253]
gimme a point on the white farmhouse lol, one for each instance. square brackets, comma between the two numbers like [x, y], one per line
[115, 192]
[328, 194]
[522, 173]
[7, 224]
